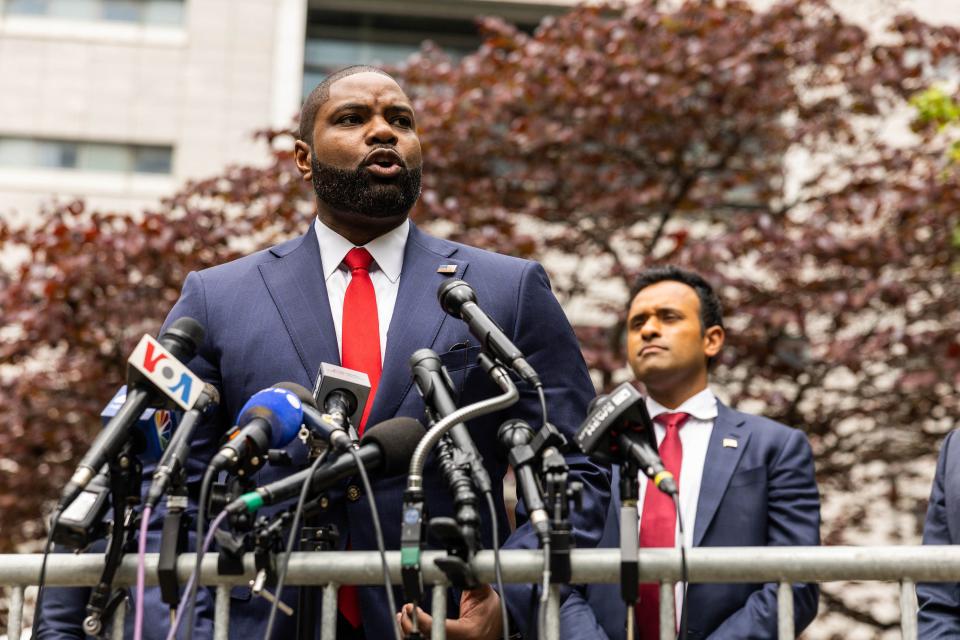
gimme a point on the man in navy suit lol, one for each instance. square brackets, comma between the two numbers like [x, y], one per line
[278, 314]
[744, 480]
[939, 615]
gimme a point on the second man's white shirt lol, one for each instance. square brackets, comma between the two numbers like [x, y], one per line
[387, 252]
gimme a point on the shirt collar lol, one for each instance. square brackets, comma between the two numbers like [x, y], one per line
[387, 250]
[701, 406]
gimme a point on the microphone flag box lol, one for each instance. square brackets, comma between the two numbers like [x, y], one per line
[156, 425]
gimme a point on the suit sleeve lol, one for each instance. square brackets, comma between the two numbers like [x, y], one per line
[939, 615]
[793, 519]
[543, 333]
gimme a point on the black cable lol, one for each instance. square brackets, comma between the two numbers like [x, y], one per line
[47, 547]
[380, 546]
[543, 403]
[208, 478]
[291, 542]
[496, 565]
[684, 578]
[545, 595]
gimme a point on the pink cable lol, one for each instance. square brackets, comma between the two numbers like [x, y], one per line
[141, 570]
[193, 576]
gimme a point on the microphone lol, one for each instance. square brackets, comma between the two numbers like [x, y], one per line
[618, 428]
[515, 436]
[151, 432]
[434, 384]
[177, 344]
[386, 448]
[175, 455]
[460, 301]
[270, 419]
[326, 425]
[342, 393]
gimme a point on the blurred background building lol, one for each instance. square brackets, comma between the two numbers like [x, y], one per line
[121, 101]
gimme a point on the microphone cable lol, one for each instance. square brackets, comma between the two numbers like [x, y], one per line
[141, 571]
[496, 564]
[208, 477]
[543, 402]
[195, 576]
[378, 532]
[684, 578]
[291, 542]
[47, 548]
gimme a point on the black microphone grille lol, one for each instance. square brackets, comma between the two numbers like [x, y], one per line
[188, 331]
[453, 293]
[514, 432]
[300, 391]
[398, 439]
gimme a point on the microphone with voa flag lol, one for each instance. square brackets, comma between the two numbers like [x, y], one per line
[157, 377]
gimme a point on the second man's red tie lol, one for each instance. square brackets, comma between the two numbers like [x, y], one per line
[658, 522]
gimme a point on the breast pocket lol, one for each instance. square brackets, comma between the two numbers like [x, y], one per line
[460, 359]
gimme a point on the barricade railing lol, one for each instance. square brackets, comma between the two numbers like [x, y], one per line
[905, 565]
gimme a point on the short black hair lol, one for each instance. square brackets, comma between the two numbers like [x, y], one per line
[321, 93]
[711, 311]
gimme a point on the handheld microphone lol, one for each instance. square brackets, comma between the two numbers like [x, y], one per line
[460, 301]
[152, 431]
[270, 419]
[434, 384]
[618, 427]
[175, 455]
[385, 448]
[515, 436]
[178, 343]
[326, 425]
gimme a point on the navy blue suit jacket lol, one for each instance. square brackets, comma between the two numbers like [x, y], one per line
[267, 320]
[939, 615]
[760, 493]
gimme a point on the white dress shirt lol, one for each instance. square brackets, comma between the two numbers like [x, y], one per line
[387, 252]
[694, 439]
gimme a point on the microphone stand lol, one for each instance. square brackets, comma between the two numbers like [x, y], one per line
[125, 479]
[629, 541]
[173, 541]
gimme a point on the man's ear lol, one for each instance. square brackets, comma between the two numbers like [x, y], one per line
[713, 340]
[301, 155]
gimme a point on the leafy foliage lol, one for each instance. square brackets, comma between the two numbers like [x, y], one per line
[753, 146]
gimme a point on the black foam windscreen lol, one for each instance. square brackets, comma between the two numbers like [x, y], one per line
[398, 439]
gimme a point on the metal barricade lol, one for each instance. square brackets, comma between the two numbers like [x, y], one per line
[781, 565]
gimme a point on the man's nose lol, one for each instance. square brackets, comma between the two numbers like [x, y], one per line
[381, 132]
[650, 329]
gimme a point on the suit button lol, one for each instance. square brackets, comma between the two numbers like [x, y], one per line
[324, 502]
[353, 493]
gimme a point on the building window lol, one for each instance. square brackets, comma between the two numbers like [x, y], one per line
[23, 153]
[153, 12]
[338, 39]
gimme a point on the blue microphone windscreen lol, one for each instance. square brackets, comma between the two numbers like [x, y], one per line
[281, 408]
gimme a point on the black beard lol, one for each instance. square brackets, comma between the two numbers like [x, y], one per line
[359, 192]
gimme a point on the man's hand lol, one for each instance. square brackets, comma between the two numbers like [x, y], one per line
[479, 617]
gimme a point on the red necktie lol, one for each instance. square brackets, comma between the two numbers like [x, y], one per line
[658, 522]
[360, 348]
[361, 327]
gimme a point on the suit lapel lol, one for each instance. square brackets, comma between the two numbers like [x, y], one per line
[719, 466]
[417, 316]
[295, 282]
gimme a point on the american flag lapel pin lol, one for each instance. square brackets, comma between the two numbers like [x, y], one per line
[447, 268]
[730, 443]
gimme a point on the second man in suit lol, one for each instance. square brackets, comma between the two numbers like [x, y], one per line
[744, 480]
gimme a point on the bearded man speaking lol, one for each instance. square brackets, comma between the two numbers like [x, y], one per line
[358, 289]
